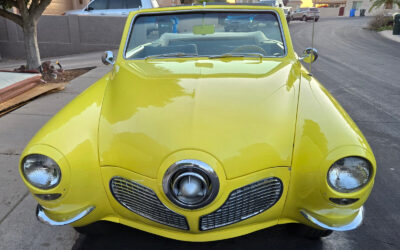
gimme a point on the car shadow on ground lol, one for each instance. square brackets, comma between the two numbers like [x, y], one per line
[122, 237]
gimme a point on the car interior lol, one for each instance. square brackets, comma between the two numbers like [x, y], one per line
[195, 35]
[215, 44]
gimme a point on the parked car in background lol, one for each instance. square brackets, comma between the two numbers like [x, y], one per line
[238, 23]
[247, 23]
[113, 7]
[279, 4]
[305, 14]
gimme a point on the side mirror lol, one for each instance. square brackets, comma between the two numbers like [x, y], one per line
[88, 8]
[108, 58]
[310, 55]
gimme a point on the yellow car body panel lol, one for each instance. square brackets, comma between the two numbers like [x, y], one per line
[248, 118]
[158, 115]
[324, 134]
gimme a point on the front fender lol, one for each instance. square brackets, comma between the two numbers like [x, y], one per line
[324, 134]
[71, 139]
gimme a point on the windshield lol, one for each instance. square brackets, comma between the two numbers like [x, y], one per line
[205, 34]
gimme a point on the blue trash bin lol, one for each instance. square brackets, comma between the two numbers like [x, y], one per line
[352, 12]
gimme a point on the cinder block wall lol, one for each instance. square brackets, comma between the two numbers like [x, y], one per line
[329, 12]
[64, 35]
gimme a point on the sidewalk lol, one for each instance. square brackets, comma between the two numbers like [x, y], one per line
[19, 228]
[389, 34]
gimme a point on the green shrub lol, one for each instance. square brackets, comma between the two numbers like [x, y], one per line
[380, 22]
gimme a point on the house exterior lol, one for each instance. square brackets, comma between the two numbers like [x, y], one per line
[366, 4]
[167, 3]
[330, 3]
[58, 7]
[295, 4]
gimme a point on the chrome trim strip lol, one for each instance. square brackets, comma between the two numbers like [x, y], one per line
[205, 10]
[352, 225]
[42, 217]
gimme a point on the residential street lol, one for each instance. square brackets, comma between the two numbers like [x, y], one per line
[359, 67]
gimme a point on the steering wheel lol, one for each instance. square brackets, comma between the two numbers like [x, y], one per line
[249, 49]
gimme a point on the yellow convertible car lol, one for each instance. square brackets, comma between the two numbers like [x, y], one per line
[202, 133]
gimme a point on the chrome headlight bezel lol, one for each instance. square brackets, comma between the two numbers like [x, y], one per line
[347, 171]
[43, 165]
[195, 169]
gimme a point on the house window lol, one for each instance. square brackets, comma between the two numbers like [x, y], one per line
[98, 5]
[116, 4]
[131, 4]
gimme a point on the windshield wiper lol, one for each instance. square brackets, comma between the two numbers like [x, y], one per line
[171, 55]
[226, 55]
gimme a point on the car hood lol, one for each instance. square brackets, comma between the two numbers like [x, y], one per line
[242, 112]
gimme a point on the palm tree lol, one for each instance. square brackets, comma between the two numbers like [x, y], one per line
[379, 3]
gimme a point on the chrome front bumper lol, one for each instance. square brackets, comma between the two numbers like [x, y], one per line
[356, 222]
[42, 217]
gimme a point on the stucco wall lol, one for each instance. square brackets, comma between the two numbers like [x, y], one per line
[167, 3]
[328, 12]
[58, 7]
[64, 35]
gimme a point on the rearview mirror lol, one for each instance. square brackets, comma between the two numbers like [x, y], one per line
[310, 55]
[108, 58]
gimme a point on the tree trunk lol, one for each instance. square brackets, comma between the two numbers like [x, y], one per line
[31, 45]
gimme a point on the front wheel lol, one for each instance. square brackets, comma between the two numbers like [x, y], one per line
[309, 232]
[304, 19]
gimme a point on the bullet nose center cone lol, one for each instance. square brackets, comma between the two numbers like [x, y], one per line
[190, 187]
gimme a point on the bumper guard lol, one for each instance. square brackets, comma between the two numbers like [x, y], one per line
[356, 222]
[42, 217]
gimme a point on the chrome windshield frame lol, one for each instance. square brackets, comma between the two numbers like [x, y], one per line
[203, 11]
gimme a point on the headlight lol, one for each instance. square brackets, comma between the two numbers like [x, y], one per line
[41, 171]
[349, 174]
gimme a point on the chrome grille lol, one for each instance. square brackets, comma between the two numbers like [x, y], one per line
[244, 203]
[143, 201]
